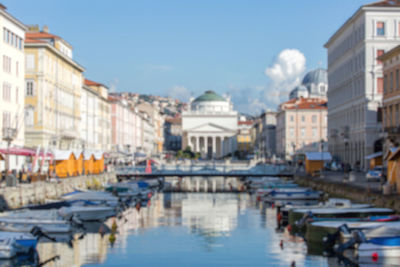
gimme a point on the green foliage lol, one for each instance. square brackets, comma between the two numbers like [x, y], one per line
[187, 154]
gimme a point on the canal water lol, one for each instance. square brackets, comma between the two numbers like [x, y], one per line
[188, 229]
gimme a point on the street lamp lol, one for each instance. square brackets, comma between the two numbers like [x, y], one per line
[8, 136]
[322, 157]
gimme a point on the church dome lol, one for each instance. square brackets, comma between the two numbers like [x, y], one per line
[299, 91]
[316, 77]
[209, 96]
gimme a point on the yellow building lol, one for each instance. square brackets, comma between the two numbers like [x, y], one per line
[53, 84]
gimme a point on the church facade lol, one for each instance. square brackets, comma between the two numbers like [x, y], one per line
[209, 126]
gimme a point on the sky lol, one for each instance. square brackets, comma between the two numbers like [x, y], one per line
[254, 51]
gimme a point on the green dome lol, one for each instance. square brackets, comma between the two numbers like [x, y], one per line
[209, 96]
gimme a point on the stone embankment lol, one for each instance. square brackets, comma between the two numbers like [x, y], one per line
[352, 191]
[38, 192]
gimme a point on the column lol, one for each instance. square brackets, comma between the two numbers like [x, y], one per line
[214, 147]
[206, 145]
[197, 138]
[189, 142]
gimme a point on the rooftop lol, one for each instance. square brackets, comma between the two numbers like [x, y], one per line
[209, 96]
[304, 103]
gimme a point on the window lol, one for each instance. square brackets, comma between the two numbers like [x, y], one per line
[6, 64]
[397, 79]
[303, 132]
[291, 118]
[379, 53]
[303, 118]
[322, 89]
[381, 85]
[314, 118]
[16, 68]
[391, 82]
[6, 119]
[30, 87]
[379, 115]
[384, 84]
[291, 132]
[30, 62]
[314, 132]
[6, 92]
[380, 28]
[29, 116]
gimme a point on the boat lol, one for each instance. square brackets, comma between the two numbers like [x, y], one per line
[49, 221]
[338, 203]
[8, 248]
[87, 213]
[350, 213]
[317, 232]
[101, 198]
[292, 194]
[25, 242]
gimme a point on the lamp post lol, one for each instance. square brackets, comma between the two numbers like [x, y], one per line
[322, 157]
[8, 136]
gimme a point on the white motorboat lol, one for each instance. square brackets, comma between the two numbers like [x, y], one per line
[25, 242]
[8, 248]
[292, 194]
[25, 220]
[87, 213]
[98, 197]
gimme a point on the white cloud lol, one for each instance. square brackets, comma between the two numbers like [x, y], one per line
[179, 92]
[284, 74]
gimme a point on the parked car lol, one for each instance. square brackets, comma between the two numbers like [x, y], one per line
[375, 174]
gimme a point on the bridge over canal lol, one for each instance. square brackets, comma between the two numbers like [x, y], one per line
[206, 176]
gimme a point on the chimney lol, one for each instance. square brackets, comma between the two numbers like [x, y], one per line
[45, 29]
[2, 7]
[33, 28]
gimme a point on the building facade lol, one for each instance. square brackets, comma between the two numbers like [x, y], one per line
[102, 116]
[209, 125]
[173, 134]
[301, 127]
[267, 136]
[88, 117]
[155, 116]
[53, 85]
[356, 80]
[12, 82]
[391, 98]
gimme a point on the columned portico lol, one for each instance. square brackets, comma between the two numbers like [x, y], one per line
[210, 121]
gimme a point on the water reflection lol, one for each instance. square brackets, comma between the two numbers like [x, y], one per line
[197, 228]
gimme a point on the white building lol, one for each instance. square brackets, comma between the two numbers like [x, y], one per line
[12, 82]
[356, 82]
[88, 117]
[210, 123]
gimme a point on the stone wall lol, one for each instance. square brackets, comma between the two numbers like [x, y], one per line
[39, 192]
[351, 191]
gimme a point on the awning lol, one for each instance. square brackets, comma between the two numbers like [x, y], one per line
[77, 153]
[390, 152]
[19, 151]
[374, 155]
[395, 155]
[98, 155]
[325, 156]
[1, 156]
[62, 154]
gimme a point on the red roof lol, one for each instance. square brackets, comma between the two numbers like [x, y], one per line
[92, 83]
[245, 122]
[40, 35]
[385, 3]
[305, 103]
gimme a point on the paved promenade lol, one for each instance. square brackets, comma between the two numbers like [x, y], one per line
[359, 190]
[38, 192]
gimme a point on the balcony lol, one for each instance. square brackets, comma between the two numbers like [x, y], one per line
[393, 130]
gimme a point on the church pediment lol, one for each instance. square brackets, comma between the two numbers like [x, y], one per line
[210, 127]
